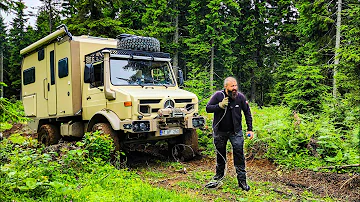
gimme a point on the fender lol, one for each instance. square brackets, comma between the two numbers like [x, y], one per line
[105, 116]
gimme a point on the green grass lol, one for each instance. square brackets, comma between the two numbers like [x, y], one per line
[154, 174]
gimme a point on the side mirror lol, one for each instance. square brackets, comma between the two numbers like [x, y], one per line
[180, 78]
[89, 73]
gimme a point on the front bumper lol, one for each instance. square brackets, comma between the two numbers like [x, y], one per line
[163, 124]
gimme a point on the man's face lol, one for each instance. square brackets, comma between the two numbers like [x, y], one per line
[231, 88]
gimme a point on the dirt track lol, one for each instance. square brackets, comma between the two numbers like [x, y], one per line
[289, 183]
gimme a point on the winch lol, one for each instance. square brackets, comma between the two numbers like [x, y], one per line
[172, 112]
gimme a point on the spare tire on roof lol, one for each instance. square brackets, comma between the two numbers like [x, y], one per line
[127, 41]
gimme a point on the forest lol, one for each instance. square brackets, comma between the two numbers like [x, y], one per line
[302, 82]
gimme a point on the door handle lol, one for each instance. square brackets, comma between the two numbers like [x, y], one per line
[45, 97]
[88, 98]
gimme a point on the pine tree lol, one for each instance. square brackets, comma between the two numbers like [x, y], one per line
[5, 5]
[48, 17]
[349, 71]
[212, 27]
[311, 60]
[16, 42]
[3, 54]
[94, 17]
[158, 21]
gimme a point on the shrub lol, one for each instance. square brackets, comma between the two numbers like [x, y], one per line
[11, 111]
[98, 145]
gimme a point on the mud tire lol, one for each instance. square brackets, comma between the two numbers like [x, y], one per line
[189, 138]
[49, 134]
[105, 128]
[139, 43]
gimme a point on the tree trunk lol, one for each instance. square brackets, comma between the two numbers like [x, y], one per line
[50, 16]
[176, 41]
[253, 85]
[337, 46]
[212, 66]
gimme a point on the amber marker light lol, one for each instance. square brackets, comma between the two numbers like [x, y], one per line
[128, 104]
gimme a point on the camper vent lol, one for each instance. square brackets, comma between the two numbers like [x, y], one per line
[99, 56]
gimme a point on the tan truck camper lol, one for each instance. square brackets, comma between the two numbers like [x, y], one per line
[124, 87]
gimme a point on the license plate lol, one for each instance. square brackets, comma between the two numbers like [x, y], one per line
[172, 131]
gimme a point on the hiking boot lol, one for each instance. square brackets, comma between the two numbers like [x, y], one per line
[218, 176]
[244, 186]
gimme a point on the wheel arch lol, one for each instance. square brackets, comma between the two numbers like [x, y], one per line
[42, 122]
[104, 117]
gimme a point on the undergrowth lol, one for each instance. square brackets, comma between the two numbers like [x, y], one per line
[70, 172]
[11, 111]
[298, 140]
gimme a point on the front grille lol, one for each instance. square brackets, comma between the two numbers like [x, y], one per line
[183, 100]
[153, 101]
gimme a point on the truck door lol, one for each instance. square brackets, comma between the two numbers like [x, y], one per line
[95, 97]
[50, 80]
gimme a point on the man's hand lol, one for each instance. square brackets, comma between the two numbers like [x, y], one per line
[224, 103]
[251, 134]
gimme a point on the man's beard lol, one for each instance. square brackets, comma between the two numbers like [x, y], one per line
[233, 94]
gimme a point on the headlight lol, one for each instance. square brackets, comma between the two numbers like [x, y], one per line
[198, 122]
[141, 126]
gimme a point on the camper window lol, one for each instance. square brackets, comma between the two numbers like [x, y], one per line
[29, 76]
[63, 67]
[41, 54]
[52, 67]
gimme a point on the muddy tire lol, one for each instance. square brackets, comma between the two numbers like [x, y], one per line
[105, 128]
[186, 145]
[133, 42]
[49, 134]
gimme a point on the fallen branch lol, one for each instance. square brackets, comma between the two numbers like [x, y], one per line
[340, 167]
[347, 181]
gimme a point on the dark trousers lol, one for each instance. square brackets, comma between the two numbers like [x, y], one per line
[237, 142]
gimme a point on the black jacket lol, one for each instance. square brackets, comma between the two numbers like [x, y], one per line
[240, 104]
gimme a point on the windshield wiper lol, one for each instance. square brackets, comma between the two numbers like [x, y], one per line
[129, 81]
[157, 82]
[164, 85]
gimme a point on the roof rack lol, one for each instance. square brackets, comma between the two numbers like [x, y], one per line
[98, 56]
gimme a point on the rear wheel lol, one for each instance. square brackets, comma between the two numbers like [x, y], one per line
[49, 134]
[105, 128]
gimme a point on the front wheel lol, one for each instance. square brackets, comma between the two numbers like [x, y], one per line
[105, 128]
[186, 144]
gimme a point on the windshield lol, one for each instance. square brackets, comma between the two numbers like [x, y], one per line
[140, 72]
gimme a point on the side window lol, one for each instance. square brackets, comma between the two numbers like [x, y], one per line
[63, 67]
[98, 75]
[29, 76]
[52, 67]
[41, 54]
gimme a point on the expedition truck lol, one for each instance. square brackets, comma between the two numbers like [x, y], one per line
[123, 87]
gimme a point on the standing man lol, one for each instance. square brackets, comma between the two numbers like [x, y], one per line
[227, 106]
